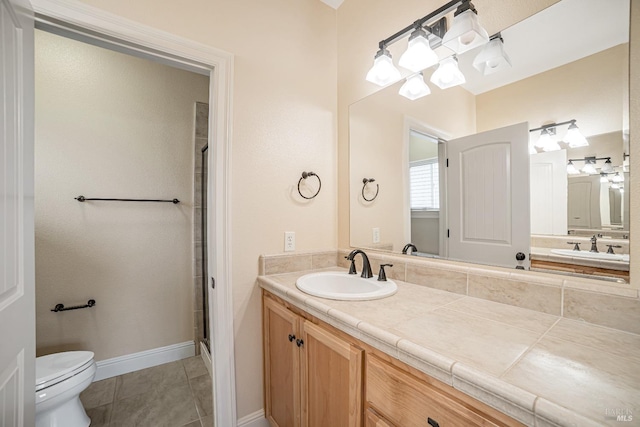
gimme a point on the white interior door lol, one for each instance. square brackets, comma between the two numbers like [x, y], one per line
[17, 288]
[549, 193]
[488, 193]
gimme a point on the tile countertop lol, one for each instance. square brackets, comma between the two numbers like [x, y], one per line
[540, 369]
[545, 254]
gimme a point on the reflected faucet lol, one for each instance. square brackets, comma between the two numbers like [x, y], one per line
[366, 266]
[409, 246]
[594, 247]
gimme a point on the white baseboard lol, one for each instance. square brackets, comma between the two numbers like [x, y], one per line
[145, 359]
[206, 358]
[257, 419]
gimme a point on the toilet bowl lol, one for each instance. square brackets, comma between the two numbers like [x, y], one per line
[60, 378]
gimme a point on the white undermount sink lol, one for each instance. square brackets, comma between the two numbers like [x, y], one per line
[343, 286]
[591, 255]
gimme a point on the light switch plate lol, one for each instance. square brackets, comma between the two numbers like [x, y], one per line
[289, 241]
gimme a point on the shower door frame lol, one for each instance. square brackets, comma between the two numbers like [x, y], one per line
[83, 22]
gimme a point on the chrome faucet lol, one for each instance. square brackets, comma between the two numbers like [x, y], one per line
[594, 247]
[409, 246]
[366, 266]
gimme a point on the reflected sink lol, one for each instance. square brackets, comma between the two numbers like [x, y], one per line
[342, 286]
[603, 256]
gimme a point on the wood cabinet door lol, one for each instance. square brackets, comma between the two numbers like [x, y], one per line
[331, 379]
[281, 365]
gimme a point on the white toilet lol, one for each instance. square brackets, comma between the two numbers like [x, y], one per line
[60, 378]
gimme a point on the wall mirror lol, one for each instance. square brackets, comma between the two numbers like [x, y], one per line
[563, 72]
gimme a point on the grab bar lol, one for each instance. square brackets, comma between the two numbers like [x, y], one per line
[84, 199]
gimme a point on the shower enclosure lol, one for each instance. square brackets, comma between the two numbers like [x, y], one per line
[203, 238]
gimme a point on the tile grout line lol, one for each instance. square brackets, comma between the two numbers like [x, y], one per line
[528, 350]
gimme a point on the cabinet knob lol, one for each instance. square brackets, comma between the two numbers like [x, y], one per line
[432, 422]
[291, 338]
[299, 342]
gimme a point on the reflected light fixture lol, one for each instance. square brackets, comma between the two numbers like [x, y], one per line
[589, 167]
[546, 141]
[617, 177]
[414, 87]
[615, 185]
[621, 189]
[466, 32]
[383, 71]
[571, 169]
[419, 54]
[492, 58]
[603, 178]
[607, 167]
[574, 137]
[448, 74]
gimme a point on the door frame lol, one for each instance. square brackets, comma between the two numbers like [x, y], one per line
[74, 19]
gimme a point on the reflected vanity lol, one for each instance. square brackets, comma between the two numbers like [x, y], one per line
[403, 143]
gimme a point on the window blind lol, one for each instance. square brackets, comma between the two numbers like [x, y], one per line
[424, 185]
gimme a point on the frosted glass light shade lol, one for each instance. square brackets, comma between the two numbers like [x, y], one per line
[492, 58]
[574, 137]
[546, 141]
[571, 169]
[414, 87]
[589, 168]
[552, 145]
[618, 178]
[615, 186]
[603, 178]
[607, 167]
[383, 71]
[465, 33]
[448, 74]
[419, 54]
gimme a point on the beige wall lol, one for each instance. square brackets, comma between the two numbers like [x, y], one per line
[589, 90]
[284, 122]
[110, 125]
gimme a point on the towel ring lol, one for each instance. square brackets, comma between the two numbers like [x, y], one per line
[305, 175]
[365, 181]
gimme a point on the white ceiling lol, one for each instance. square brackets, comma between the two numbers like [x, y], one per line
[563, 33]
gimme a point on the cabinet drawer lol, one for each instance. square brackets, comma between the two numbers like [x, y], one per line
[406, 401]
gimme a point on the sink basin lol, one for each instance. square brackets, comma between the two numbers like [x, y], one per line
[342, 286]
[591, 255]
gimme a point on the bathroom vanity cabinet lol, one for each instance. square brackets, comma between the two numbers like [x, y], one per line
[312, 377]
[330, 378]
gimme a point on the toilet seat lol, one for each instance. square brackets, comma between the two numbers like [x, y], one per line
[55, 368]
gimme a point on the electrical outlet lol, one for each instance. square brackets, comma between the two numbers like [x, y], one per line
[289, 241]
[376, 235]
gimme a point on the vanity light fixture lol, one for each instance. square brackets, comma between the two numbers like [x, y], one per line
[466, 32]
[448, 74]
[383, 71]
[426, 34]
[603, 178]
[419, 54]
[492, 58]
[414, 87]
[615, 185]
[617, 177]
[573, 137]
[571, 168]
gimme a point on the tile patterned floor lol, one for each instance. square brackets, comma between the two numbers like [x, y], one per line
[176, 394]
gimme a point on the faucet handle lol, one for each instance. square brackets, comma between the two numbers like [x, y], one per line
[382, 276]
[576, 246]
[610, 250]
[352, 267]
